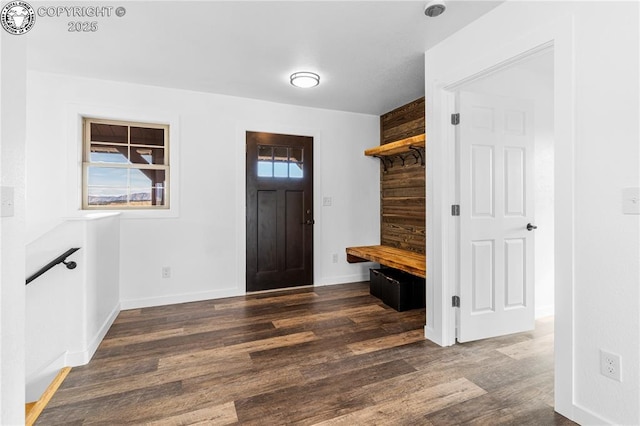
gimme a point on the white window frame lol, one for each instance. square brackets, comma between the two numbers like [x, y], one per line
[86, 163]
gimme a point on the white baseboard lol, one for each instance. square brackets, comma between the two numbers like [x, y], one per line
[219, 294]
[432, 335]
[74, 359]
[179, 298]
[586, 417]
[343, 279]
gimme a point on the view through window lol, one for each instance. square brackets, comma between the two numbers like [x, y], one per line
[280, 161]
[125, 165]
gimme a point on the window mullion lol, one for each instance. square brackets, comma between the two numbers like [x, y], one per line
[166, 146]
[129, 164]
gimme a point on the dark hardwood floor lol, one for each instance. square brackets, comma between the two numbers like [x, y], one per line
[324, 355]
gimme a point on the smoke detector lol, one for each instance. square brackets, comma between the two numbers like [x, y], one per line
[435, 8]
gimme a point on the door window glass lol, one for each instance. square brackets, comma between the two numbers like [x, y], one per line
[280, 162]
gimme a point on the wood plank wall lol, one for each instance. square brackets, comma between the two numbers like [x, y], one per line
[402, 188]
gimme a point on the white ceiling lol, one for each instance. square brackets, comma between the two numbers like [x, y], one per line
[369, 54]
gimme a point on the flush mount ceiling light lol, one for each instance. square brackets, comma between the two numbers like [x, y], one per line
[435, 8]
[304, 79]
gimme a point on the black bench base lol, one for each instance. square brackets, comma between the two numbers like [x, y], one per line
[397, 289]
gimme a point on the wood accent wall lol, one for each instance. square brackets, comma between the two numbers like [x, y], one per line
[402, 188]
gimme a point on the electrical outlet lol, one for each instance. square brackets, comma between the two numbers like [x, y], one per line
[610, 365]
[334, 257]
[166, 272]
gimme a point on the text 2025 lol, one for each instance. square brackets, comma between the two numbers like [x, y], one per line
[82, 27]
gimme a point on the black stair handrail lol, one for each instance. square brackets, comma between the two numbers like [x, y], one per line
[60, 259]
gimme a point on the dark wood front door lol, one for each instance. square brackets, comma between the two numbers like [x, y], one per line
[279, 211]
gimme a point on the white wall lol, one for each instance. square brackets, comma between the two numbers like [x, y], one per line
[70, 311]
[533, 80]
[12, 229]
[202, 239]
[597, 296]
[54, 306]
[102, 280]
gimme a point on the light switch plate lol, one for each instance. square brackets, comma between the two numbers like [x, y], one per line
[6, 201]
[327, 201]
[631, 200]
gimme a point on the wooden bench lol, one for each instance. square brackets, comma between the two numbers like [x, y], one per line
[404, 260]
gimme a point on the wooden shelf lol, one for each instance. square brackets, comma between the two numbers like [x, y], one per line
[397, 147]
[404, 260]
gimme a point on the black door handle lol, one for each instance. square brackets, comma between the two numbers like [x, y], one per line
[310, 222]
[531, 227]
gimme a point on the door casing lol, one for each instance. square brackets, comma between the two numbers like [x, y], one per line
[446, 72]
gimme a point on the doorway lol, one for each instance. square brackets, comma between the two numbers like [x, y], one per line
[451, 65]
[523, 287]
[279, 222]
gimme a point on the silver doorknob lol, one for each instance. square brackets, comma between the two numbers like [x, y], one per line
[531, 227]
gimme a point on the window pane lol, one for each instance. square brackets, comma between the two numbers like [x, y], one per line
[280, 153]
[265, 153]
[265, 169]
[108, 154]
[147, 155]
[108, 133]
[295, 154]
[109, 186]
[147, 187]
[158, 187]
[280, 170]
[158, 196]
[295, 170]
[265, 163]
[106, 186]
[147, 136]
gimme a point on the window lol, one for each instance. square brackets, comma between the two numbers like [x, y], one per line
[125, 165]
[280, 162]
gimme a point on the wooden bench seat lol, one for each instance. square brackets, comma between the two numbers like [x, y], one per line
[404, 260]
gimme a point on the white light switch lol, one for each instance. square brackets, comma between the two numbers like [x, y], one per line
[6, 201]
[326, 201]
[631, 200]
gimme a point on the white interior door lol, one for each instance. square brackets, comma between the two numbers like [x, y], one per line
[496, 144]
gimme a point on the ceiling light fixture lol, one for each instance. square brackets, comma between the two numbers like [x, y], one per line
[304, 79]
[435, 8]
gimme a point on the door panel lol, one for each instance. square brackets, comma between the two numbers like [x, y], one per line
[266, 239]
[482, 186]
[279, 211]
[515, 279]
[295, 232]
[483, 276]
[496, 202]
[514, 160]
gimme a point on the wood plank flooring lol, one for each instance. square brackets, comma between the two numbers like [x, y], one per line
[326, 355]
